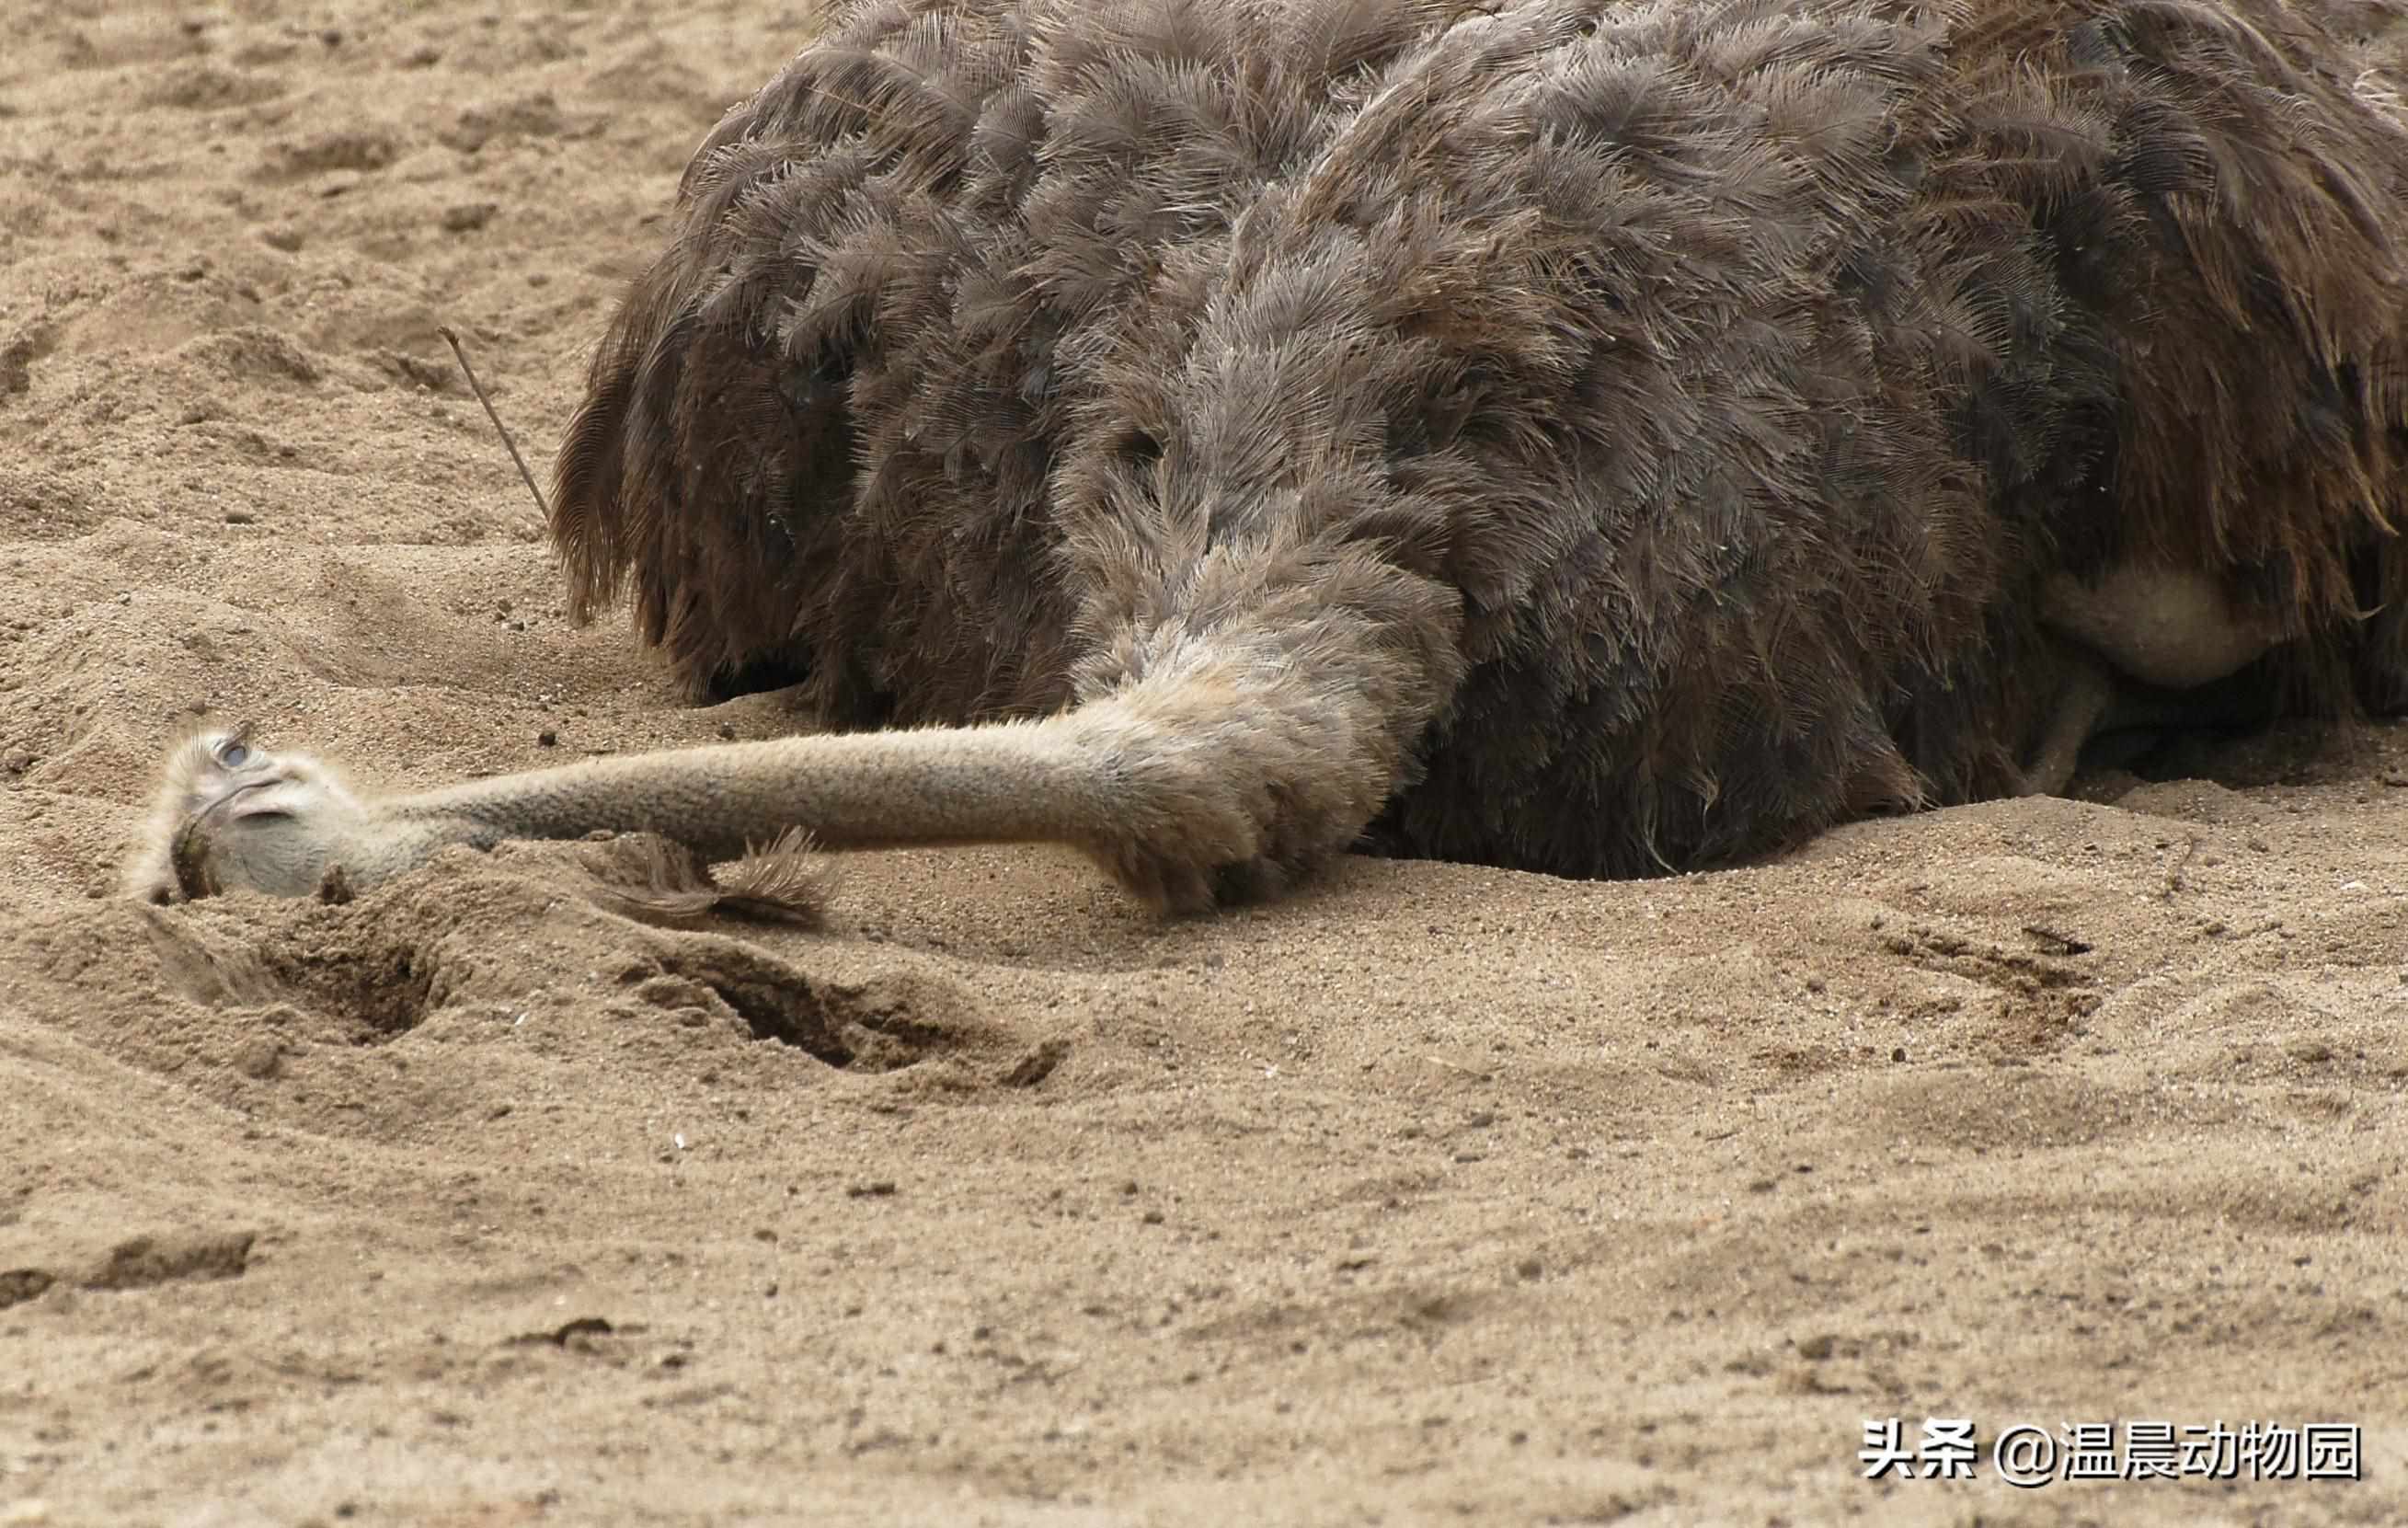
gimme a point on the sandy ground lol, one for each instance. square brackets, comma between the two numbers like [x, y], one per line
[1435, 1194]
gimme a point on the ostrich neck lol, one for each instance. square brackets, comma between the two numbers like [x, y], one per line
[852, 791]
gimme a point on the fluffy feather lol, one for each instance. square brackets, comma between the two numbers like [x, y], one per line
[1682, 399]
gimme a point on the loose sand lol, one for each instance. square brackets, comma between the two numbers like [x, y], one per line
[1433, 1194]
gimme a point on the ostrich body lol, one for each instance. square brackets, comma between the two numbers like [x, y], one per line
[1594, 441]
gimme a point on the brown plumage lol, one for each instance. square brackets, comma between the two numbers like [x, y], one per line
[1591, 438]
[1687, 392]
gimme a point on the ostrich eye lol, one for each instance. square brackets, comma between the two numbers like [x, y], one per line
[234, 756]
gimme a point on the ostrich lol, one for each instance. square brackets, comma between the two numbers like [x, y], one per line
[1598, 436]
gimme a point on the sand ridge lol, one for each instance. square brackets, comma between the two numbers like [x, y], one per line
[1434, 1194]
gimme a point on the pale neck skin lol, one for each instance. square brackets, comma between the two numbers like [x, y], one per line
[1010, 782]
